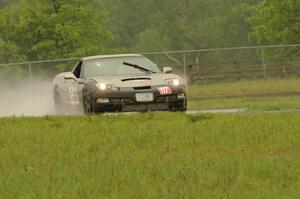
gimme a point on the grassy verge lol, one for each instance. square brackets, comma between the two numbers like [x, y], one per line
[244, 87]
[161, 155]
[252, 104]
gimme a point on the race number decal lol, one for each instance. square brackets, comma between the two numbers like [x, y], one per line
[165, 90]
[73, 97]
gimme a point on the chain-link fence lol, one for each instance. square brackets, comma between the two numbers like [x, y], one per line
[232, 64]
[197, 66]
[26, 88]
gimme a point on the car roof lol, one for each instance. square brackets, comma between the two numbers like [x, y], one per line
[110, 56]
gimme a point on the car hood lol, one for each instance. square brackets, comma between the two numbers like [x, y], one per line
[136, 81]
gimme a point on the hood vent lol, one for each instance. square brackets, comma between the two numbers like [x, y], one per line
[136, 79]
[142, 88]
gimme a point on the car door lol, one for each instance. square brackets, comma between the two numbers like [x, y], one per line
[71, 95]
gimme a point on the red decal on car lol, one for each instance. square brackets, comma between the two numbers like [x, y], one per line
[165, 90]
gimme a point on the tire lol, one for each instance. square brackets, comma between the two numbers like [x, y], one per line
[59, 108]
[87, 102]
[178, 107]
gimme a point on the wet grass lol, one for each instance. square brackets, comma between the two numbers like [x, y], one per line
[244, 87]
[155, 155]
[252, 104]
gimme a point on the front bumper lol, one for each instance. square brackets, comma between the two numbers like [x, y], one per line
[124, 100]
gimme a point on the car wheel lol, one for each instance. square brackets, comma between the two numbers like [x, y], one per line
[178, 107]
[87, 102]
[58, 103]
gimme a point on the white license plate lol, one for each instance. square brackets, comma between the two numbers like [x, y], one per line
[144, 97]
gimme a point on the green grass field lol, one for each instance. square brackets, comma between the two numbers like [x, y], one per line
[252, 104]
[153, 155]
[246, 88]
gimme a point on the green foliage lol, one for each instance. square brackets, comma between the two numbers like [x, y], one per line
[194, 24]
[126, 19]
[10, 52]
[167, 156]
[175, 25]
[277, 22]
[4, 3]
[55, 29]
[39, 29]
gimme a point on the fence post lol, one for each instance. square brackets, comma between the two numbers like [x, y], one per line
[184, 65]
[264, 63]
[184, 72]
[30, 71]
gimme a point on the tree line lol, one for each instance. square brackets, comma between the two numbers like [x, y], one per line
[50, 29]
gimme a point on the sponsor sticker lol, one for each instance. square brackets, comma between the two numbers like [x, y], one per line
[165, 90]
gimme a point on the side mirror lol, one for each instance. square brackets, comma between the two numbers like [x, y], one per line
[167, 70]
[69, 76]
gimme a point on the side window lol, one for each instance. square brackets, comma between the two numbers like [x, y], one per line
[77, 70]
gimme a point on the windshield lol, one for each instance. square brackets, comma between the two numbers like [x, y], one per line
[116, 66]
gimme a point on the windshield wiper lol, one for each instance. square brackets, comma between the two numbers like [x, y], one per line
[139, 67]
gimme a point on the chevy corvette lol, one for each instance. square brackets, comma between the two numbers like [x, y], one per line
[118, 83]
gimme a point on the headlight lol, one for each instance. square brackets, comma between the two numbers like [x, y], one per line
[103, 86]
[173, 82]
